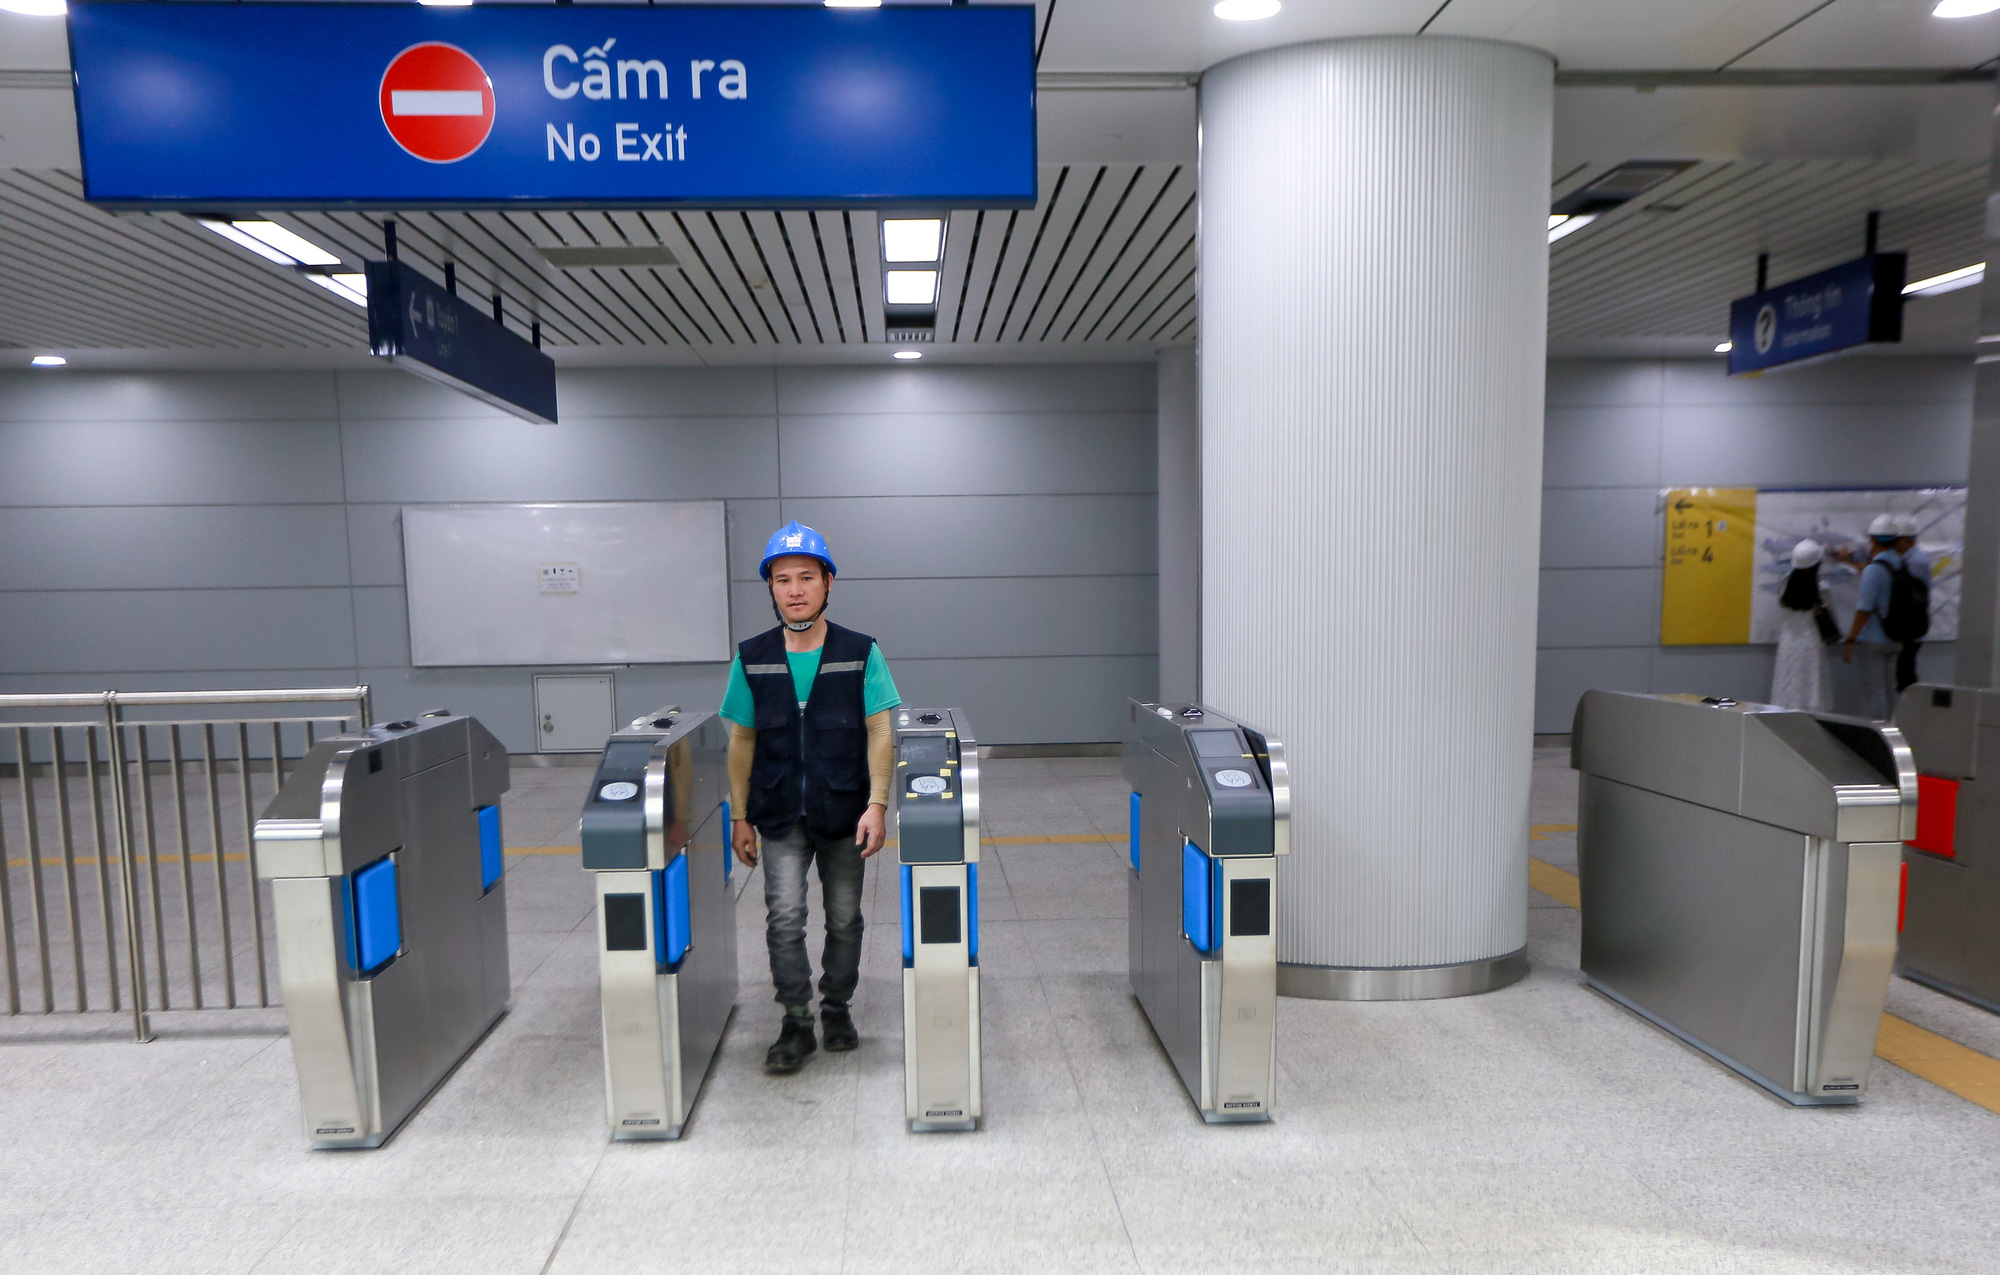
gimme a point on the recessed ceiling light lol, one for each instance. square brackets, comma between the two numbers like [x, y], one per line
[909, 287]
[912, 238]
[36, 8]
[1964, 8]
[1725, 347]
[348, 287]
[1247, 10]
[48, 360]
[1560, 226]
[1951, 280]
[907, 355]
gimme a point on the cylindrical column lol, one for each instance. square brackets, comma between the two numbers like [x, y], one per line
[1180, 526]
[1374, 279]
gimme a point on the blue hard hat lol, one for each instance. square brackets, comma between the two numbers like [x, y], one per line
[792, 539]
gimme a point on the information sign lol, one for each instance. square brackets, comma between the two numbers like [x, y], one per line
[1851, 304]
[1705, 589]
[223, 106]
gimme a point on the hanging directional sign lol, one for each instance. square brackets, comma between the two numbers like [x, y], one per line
[426, 329]
[1852, 304]
[221, 106]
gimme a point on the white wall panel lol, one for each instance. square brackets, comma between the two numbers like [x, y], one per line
[169, 630]
[1600, 607]
[930, 536]
[1611, 446]
[1373, 293]
[875, 391]
[173, 547]
[1600, 527]
[77, 396]
[174, 462]
[968, 453]
[423, 461]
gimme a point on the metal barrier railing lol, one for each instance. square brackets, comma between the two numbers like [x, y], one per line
[185, 940]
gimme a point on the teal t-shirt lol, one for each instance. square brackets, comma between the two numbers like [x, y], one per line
[878, 689]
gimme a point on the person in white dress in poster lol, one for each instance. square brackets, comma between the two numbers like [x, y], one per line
[1798, 679]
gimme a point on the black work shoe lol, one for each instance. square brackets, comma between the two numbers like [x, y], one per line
[838, 1025]
[795, 1041]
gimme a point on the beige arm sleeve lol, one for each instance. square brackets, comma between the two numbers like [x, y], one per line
[742, 748]
[881, 757]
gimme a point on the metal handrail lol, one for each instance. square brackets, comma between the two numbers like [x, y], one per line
[113, 704]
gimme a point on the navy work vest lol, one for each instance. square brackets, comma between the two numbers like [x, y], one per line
[811, 765]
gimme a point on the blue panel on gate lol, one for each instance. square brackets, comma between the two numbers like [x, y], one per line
[378, 929]
[671, 911]
[1198, 897]
[728, 843]
[972, 911]
[315, 105]
[1133, 844]
[909, 922]
[492, 859]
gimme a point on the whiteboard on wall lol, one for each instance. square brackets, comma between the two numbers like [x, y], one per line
[628, 582]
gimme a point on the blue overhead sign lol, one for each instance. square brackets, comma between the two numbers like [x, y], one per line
[214, 106]
[1852, 304]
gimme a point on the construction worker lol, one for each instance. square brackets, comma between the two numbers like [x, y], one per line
[810, 747]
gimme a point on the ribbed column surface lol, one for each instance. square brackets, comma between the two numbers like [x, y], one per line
[1374, 281]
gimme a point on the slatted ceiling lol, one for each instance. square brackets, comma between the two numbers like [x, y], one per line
[1130, 232]
[1105, 258]
[1641, 273]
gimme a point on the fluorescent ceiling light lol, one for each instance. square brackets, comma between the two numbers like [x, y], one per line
[348, 287]
[912, 238]
[853, 4]
[1725, 347]
[1560, 226]
[454, 3]
[57, 360]
[907, 355]
[1557, 219]
[1951, 280]
[36, 8]
[1964, 8]
[272, 242]
[1247, 10]
[909, 287]
[298, 248]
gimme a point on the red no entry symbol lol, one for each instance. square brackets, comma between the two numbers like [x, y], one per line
[437, 102]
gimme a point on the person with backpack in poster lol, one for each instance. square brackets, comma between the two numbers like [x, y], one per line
[1919, 565]
[1893, 609]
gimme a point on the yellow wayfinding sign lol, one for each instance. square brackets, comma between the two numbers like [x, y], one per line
[1711, 545]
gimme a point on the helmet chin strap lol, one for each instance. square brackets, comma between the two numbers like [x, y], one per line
[800, 626]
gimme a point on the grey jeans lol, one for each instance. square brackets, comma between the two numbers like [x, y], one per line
[841, 866]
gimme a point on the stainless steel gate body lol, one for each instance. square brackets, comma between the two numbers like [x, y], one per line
[384, 856]
[1211, 810]
[1739, 873]
[1951, 918]
[656, 837]
[937, 843]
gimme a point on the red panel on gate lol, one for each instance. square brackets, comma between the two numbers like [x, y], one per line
[1902, 896]
[1937, 815]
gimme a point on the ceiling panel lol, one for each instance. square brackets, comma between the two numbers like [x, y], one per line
[1858, 33]
[1621, 34]
[1185, 35]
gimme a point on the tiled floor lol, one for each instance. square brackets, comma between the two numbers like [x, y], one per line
[1539, 1128]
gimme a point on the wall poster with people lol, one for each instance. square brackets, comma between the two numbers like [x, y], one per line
[1727, 553]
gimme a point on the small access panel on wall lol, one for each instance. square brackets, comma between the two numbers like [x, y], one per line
[572, 712]
[630, 582]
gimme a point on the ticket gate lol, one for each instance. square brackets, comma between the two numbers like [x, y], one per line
[384, 856]
[1211, 811]
[1951, 865]
[937, 846]
[1740, 872]
[655, 833]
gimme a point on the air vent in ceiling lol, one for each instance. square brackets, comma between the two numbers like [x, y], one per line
[1629, 180]
[607, 255]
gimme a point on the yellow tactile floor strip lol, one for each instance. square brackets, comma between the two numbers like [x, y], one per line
[1945, 1063]
[1541, 831]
